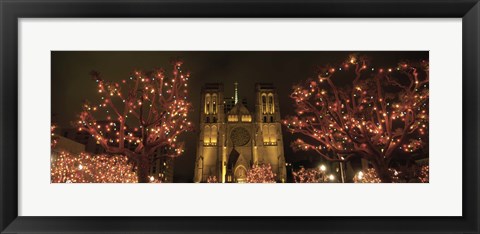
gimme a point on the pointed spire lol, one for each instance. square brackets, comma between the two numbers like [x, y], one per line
[236, 92]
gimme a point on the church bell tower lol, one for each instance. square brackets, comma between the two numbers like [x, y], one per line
[211, 123]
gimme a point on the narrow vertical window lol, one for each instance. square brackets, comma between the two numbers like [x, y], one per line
[265, 134]
[264, 104]
[272, 134]
[207, 104]
[206, 136]
[213, 135]
[214, 104]
[270, 104]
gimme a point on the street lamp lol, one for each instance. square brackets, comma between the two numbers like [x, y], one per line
[342, 173]
[323, 168]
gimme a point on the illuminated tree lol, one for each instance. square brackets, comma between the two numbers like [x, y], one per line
[423, 174]
[154, 104]
[261, 173]
[53, 137]
[368, 176]
[212, 179]
[311, 176]
[356, 110]
[85, 168]
[417, 174]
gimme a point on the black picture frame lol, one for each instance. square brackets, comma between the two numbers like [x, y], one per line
[11, 11]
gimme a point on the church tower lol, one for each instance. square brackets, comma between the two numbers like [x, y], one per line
[233, 139]
[211, 124]
[268, 123]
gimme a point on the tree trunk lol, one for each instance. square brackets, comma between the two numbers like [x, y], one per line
[383, 172]
[385, 176]
[143, 168]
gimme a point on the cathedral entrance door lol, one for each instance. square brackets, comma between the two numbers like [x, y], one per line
[241, 174]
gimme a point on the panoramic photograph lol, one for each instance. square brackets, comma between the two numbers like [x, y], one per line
[239, 117]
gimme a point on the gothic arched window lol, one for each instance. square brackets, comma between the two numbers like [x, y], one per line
[214, 104]
[265, 134]
[213, 135]
[269, 133]
[207, 103]
[264, 103]
[272, 134]
[271, 108]
[206, 135]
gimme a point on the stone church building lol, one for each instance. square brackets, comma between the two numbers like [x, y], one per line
[233, 138]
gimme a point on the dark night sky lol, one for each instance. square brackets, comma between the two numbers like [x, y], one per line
[71, 82]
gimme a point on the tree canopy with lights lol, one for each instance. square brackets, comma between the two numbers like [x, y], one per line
[143, 114]
[417, 174]
[261, 173]
[311, 175]
[86, 168]
[358, 110]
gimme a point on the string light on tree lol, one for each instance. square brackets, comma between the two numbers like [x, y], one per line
[212, 179]
[85, 168]
[313, 175]
[367, 176]
[414, 174]
[154, 103]
[53, 137]
[308, 176]
[374, 114]
[261, 173]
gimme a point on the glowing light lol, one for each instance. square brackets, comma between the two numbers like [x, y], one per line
[360, 175]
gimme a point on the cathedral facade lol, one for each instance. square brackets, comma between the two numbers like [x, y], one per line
[233, 139]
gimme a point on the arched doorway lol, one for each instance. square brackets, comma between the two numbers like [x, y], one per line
[240, 174]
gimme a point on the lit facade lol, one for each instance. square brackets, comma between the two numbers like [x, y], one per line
[232, 141]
